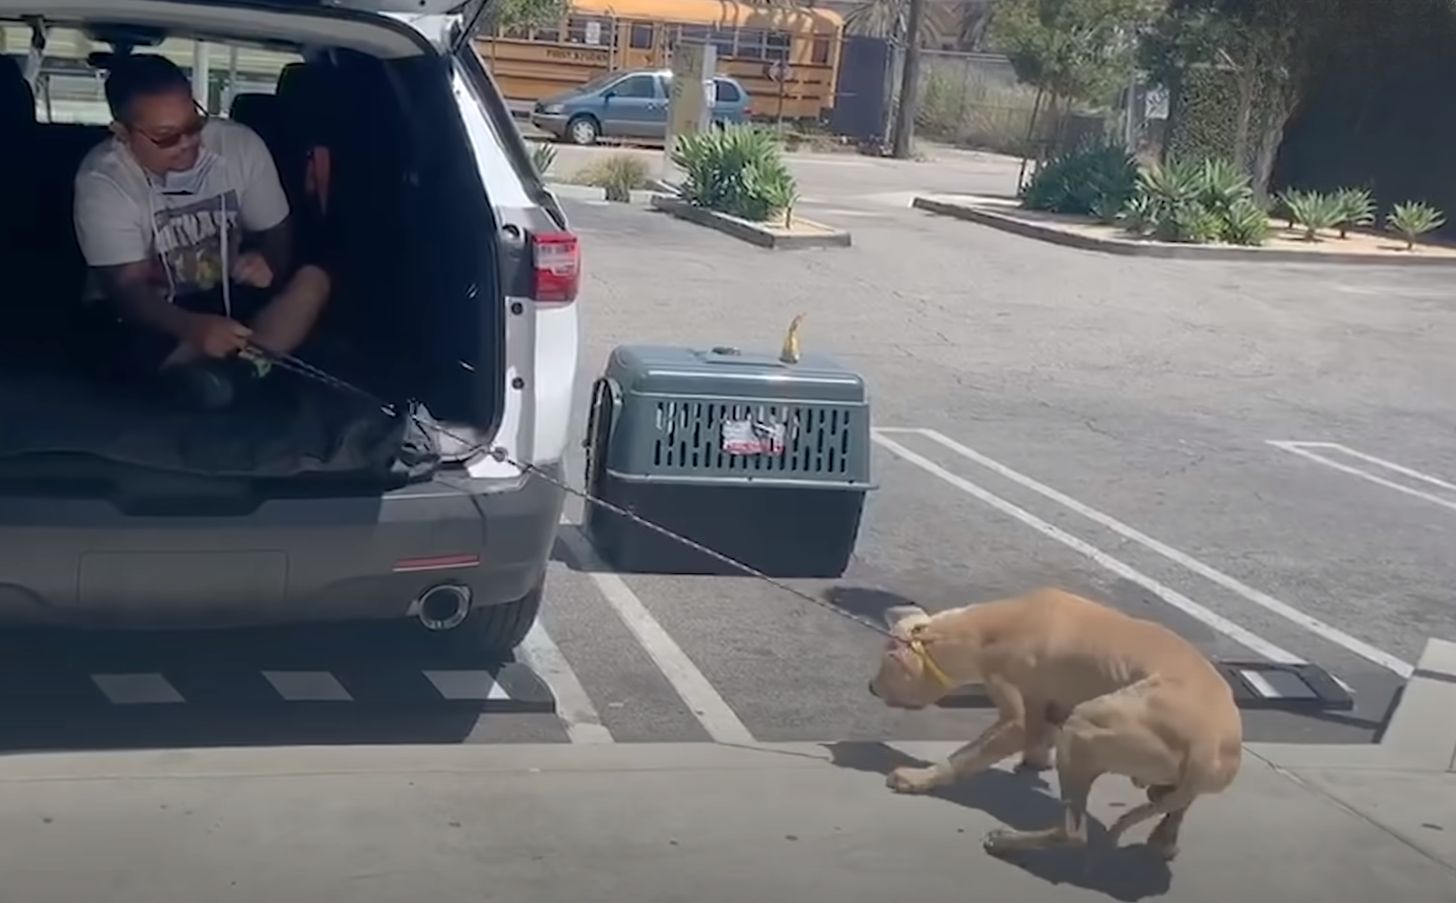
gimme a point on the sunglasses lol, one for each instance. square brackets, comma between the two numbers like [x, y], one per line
[172, 139]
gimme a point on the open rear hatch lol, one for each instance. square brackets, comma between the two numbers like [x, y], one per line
[437, 334]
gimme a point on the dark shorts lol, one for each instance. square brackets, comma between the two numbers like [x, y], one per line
[144, 349]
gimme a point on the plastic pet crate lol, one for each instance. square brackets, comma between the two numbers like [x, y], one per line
[763, 461]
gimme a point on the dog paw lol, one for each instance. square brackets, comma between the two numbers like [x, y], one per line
[1164, 850]
[912, 780]
[997, 842]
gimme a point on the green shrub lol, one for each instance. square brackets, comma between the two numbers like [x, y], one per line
[1316, 212]
[1197, 225]
[542, 156]
[738, 170]
[1284, 203]
[1094, 180]
[619, 175]
[1414, 219]
[1136, 216]
[1357, 208]
[1173, 210]
[1246, 223]
[1222, 186]
[1200, 202]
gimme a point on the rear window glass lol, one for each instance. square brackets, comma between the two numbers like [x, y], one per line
[726, 92]
[69, 89]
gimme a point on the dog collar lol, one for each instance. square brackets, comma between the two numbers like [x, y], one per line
[918, 647]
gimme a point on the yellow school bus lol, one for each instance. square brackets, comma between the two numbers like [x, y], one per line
[755, 44]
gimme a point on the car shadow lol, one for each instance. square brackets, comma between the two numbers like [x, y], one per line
[211, 688]
[1022, 800]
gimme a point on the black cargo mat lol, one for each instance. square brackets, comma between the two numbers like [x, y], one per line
[288, 427]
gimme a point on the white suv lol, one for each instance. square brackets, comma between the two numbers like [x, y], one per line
[455, 298]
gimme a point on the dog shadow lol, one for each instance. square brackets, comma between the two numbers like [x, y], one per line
[1022, 800]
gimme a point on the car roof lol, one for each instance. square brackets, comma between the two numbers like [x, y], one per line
[354, 24]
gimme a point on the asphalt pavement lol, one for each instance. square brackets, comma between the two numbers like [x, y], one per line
[1257, 456]
[1254, 455]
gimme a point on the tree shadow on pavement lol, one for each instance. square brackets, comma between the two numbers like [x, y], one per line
[1022, 800]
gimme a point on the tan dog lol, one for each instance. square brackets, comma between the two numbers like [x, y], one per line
[1112, 694]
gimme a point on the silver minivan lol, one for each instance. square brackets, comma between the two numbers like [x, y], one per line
[455, 303]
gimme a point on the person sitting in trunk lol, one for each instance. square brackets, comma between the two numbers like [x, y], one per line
[164, 210]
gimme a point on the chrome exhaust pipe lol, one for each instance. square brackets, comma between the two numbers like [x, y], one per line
[443, 607]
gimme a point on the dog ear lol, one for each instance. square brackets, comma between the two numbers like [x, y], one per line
[899, 613]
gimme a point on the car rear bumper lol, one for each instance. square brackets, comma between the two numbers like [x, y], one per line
[80, 562]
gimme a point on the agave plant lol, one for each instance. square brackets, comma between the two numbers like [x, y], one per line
[1108, 208]
[1315, 211]
[618, 175]
[1192, 223]
[1171, 184]
[1221, 185]
[1414, 219]
[1284, 203]
[1246, 223]
[1357, 208]
[542, 156]
[1136, 216]
[738, 170]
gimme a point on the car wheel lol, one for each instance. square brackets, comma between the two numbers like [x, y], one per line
[583, 130]
[494, 631]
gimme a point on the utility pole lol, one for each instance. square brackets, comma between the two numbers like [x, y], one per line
[903, 141]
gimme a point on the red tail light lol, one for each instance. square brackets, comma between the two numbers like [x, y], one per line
[557, 258]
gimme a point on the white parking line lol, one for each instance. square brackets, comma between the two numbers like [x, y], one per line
[1303, 450]
[573, 706]
[307, 686]
[1233, 631]
[461, 685]
[1258, 597]
[717, 718]
[136, 689]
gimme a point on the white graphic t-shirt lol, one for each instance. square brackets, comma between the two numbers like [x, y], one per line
[125, 214]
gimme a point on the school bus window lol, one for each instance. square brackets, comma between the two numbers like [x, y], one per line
[819, 53]
[551, 35]
[589, 31]
[723, 40]
[750, 43]
[778, 45]
[694, 34]
[641, 36]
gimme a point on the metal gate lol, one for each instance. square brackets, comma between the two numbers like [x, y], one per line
[862, 93]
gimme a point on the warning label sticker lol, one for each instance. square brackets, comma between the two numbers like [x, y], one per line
[753, 437]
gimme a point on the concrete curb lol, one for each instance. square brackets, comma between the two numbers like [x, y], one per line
[1421, 734]
[751, 232]
[591, 193]
[1130, 248]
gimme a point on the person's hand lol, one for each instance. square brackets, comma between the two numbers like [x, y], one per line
[215, 336]
[252, 269]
